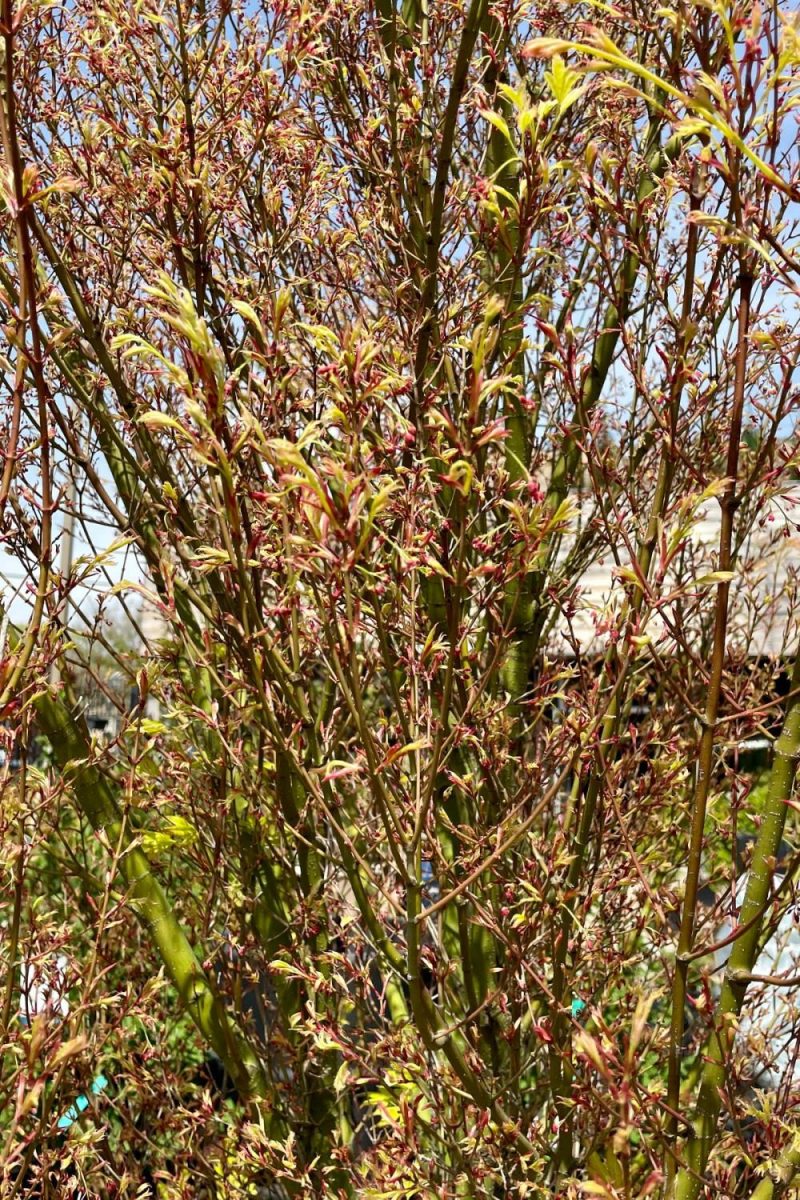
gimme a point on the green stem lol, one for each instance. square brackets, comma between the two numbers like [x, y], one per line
[72, 751]
[706, 747]
[744, 953]
[472, 27]
[560, 1070]
[782, 1175]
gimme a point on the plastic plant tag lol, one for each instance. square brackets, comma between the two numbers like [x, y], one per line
[68, 1119]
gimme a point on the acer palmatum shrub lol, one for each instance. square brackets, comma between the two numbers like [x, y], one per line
[422, 382]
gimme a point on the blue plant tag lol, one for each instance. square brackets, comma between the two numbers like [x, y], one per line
[73, 1112]
[68, 1119]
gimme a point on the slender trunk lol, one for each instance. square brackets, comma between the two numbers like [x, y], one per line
[744, 952]
[706, 747]
[93, 794]
[774, 1185]
[615, 672]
